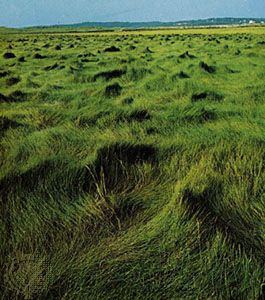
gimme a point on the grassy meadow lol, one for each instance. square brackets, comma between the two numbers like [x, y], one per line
[133, 165]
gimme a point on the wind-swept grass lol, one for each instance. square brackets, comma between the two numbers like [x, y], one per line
[132, 165]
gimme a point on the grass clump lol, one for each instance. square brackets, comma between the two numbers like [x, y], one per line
[207, 68]
[113, 90]
[9, 55]
[207, 95]
[108, 75]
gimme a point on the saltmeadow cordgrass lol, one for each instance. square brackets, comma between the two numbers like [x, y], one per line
[132, 165]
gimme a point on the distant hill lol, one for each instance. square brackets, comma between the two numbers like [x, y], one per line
[112, 26]
[135, 25]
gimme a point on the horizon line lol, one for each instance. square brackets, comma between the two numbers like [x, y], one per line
[131, 22]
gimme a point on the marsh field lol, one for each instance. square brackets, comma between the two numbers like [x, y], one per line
[133, 165]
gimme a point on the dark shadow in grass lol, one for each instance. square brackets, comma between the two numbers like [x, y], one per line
[91, 120]
[231, 71]
[180, 75]
[148, 50]
[6, 123]
[207, 68]
[138, 73]
[47, 174]
[112, 171]
[39, 56]
[21, 59]
[152, 130]
[3, 98]
[204, 206]
[113, 164]
[192, 114]
[183, 75]
[113, 90]
[128, 100]
[16, 96]
[90, 54]
[4, 74]
[108, 75]
[207, 95]
[138, 116]
[125, 152]
[12, 81]
[131, 47]
[112, 49]
[9, 55]
[187, 55]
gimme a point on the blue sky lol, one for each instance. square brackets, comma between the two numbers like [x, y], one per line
[15, 13]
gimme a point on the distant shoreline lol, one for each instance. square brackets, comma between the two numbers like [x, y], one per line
[89, 30]
[212, 22]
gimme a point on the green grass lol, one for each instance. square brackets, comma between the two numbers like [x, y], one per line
[136, 174]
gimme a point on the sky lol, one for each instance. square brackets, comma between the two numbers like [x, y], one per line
[19, 13]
